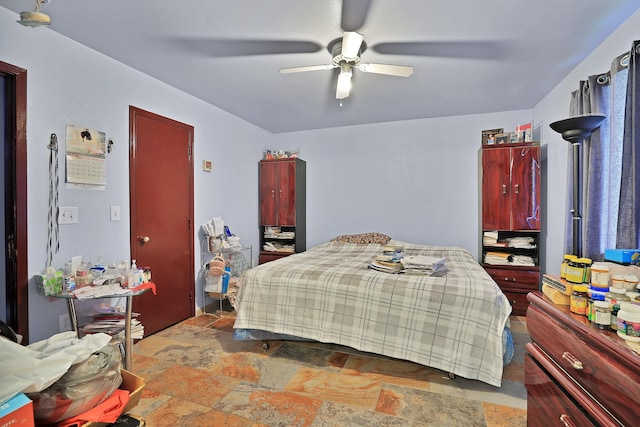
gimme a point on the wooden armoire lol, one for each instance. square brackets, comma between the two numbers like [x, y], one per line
[511, 201]
[282, 201]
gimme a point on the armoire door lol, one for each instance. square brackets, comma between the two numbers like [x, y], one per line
[525, 184]
[496, 191]
[268, 177]
[286, 193]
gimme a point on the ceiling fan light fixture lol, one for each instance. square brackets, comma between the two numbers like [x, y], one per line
[344, 83]
[35, 18]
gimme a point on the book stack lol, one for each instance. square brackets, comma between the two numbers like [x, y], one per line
[114, 325]
[424, 265]
[497, 258]
[389, 261]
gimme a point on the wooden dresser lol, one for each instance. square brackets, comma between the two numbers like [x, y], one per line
[576, 374]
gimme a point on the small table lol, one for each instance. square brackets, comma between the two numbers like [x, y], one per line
[70, 297]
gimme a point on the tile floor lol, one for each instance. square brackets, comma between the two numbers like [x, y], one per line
[197, 375]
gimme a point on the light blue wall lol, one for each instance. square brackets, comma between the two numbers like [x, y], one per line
[72, 84]
[415, 180]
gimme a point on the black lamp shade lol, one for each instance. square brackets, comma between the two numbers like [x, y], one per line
[575, 129]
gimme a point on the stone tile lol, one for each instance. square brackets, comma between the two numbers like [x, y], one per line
[203, 320]
[357, 391]
[218, 419]
[334, 414]
[224, 324]
[148, 367]
[425, 408]
[152, 344]
[390, 371]
[504, 416]
[187, 383]
[243, 366]
[150, 401]
[175, 412]
[511, 393]
[311, 357]
[225, 343]
[195, 356]
[190, 334]
[270, 407]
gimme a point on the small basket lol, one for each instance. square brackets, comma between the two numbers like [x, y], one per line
[216, 266]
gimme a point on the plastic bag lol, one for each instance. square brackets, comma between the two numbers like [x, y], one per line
[35, 367]
[82, 387]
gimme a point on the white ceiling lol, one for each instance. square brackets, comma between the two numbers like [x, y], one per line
[472, 56]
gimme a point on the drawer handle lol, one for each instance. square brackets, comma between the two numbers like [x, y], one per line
[566, 420]
[510, 279]
[575, 363]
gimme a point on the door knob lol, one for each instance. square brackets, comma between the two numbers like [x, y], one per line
[143, 239]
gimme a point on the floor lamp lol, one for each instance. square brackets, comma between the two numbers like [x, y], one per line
[575, 130]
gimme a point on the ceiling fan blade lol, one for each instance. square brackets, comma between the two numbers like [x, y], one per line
[351, 42]
[390, 70]
[219, 48]
[354, 13]
[307, 68]
[343, 88]
[446, 49]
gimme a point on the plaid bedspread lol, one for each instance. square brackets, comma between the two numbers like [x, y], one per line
[453, 323]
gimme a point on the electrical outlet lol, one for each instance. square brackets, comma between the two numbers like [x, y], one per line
[115, 213]
[64, 323]
[68, 215]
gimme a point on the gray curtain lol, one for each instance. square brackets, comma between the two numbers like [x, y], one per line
[601, 160]
[629, 213]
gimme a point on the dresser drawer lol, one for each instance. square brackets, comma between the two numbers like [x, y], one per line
[518, 301]
[548, 404]
[515, 279]
[266, 256]
[610, 373]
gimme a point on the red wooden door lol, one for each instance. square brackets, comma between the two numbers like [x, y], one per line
[161, 198]
[496, 169]
[268, 192]
[525, 185]
[287, 193]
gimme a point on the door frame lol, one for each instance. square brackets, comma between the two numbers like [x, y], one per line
[15, 193]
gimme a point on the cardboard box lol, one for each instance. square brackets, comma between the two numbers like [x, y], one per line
[17, 412]
[134, 384]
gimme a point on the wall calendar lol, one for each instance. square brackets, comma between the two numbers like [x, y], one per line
[85, 158]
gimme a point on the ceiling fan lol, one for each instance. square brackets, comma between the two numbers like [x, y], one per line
[346, 52]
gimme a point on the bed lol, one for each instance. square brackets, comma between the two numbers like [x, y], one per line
[456, 322]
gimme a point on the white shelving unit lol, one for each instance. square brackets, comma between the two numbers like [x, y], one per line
[239, 257]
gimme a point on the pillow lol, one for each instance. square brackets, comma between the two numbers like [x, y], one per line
[379, 238]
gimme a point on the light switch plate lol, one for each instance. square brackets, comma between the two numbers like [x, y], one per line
[68, 215]
[115, 213]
